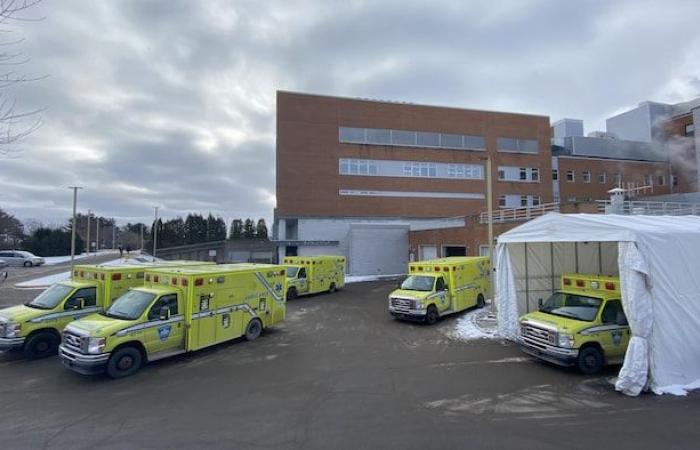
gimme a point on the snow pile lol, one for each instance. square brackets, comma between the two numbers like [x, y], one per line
[366, 278]
[53, 260]
[475, 325]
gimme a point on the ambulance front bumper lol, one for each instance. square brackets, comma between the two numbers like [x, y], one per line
[555, 355]
[81, 363]
[11, 343]
[407, 314]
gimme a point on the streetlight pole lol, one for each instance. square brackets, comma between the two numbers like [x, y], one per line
[141, 237]
[114, 233]
[155, 233]
[97, 239]
[73, 226]
[489, 199]
[88, 231]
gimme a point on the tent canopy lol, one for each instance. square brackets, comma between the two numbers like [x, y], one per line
[655, 257]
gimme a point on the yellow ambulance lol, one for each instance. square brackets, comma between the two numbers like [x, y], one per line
[312, 274]
[581, 325]
[176, 311]
[439, 287]
[35, 327]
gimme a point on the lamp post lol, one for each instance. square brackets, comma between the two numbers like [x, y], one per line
[489, 209]
[73, 226]
[155, 233]
[88, 231]
[97, 239]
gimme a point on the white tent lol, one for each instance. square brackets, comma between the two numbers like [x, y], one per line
[658, 261]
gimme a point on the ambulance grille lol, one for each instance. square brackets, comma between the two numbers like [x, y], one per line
[72, 340]
[401, 304]
[538, 335]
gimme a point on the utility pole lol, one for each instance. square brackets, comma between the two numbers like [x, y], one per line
[114, 233]
[155, 233]
[97, 239]
[88, 231]
[141, 237]
[73, 225]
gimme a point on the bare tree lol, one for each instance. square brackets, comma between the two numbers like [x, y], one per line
[14, 124]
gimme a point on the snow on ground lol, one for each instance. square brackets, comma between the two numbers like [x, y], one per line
[53, 260]
[365, 278]
[475, 325]
[43, 282]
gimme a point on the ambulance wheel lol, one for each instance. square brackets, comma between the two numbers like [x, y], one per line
[41, 345]
[480, 302]
[292, 293]
[332, 288]
[590, 360]
[431, 315]
[253, 330]
[124, 362]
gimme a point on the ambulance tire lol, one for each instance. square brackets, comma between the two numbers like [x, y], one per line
[480, 302]
[331, 289]
[431, 315]
[292, 293]
[253, 330]
[41, 345]
[590, 360]
[125, 362]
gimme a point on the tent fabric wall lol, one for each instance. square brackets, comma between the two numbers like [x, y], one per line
[655, 258]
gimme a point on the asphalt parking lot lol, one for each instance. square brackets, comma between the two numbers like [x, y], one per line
[339, 373]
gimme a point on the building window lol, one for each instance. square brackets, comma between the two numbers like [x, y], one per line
[570, 176]
[586, 175]
[648, 180]
[690, 129]
[523, 174]
[571, 199]
[512, 145]
[555, 174]
[536, 199]
[535, 174]
[602, 178]
[466, 171]
[617, 179]
[523, 200]
[358, 167]
[661, 180]
[410, 138]
[419, 169]
[502, 201]
[674, 180]
[501, 174]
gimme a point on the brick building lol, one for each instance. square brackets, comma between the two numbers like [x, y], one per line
[385, 182]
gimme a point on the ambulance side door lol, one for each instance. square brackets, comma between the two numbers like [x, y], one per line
[164, 334]
[303, 283]
[442, 294]
[617, 333]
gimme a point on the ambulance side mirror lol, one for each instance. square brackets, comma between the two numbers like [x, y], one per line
[164, 313]
[76, 303]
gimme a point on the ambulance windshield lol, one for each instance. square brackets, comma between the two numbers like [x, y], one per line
[418, 283]
[51, 297]
[572, 306]
[292, 272]
[130, 306]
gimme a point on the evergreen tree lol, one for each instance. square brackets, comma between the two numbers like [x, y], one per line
[216, 228]
[236, 229]
[261, 229]
[48, 242]
[249, 229]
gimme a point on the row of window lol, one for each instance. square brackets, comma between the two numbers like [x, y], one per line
[602, 178]
[407, 138]
[506, 173]
[515, 201]
[414, 169]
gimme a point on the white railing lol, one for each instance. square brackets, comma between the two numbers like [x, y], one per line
[645, 208]
[523, 213]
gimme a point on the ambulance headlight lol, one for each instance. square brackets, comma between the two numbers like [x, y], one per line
[12, 330]
[417, 304]
[565, 340]
[96, 345]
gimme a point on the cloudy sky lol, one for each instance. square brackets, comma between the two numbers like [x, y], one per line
[172, 102]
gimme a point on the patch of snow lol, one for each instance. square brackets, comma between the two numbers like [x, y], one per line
[365, 278]
[53, 260]
[677, 389]
[468, 327]
[40, 283]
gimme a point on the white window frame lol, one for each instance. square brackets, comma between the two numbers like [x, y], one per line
[555, 174]
[573, 176]
[586, 176]
[603, 177]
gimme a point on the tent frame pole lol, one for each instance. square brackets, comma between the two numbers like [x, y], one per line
[527, 283]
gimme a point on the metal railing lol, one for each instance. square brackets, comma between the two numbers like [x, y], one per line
[520, 214]
[648, 208]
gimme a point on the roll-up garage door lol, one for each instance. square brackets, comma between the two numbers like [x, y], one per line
[378, 249]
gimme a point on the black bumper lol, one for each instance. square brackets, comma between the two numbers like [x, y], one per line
[566, 359]
[409, 317]
[83, 364]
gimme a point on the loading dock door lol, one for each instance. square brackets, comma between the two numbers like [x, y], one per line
[428, 252]
[454, 250]
[378, 249]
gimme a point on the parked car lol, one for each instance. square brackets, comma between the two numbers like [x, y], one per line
[21, 258]
[3, 263]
